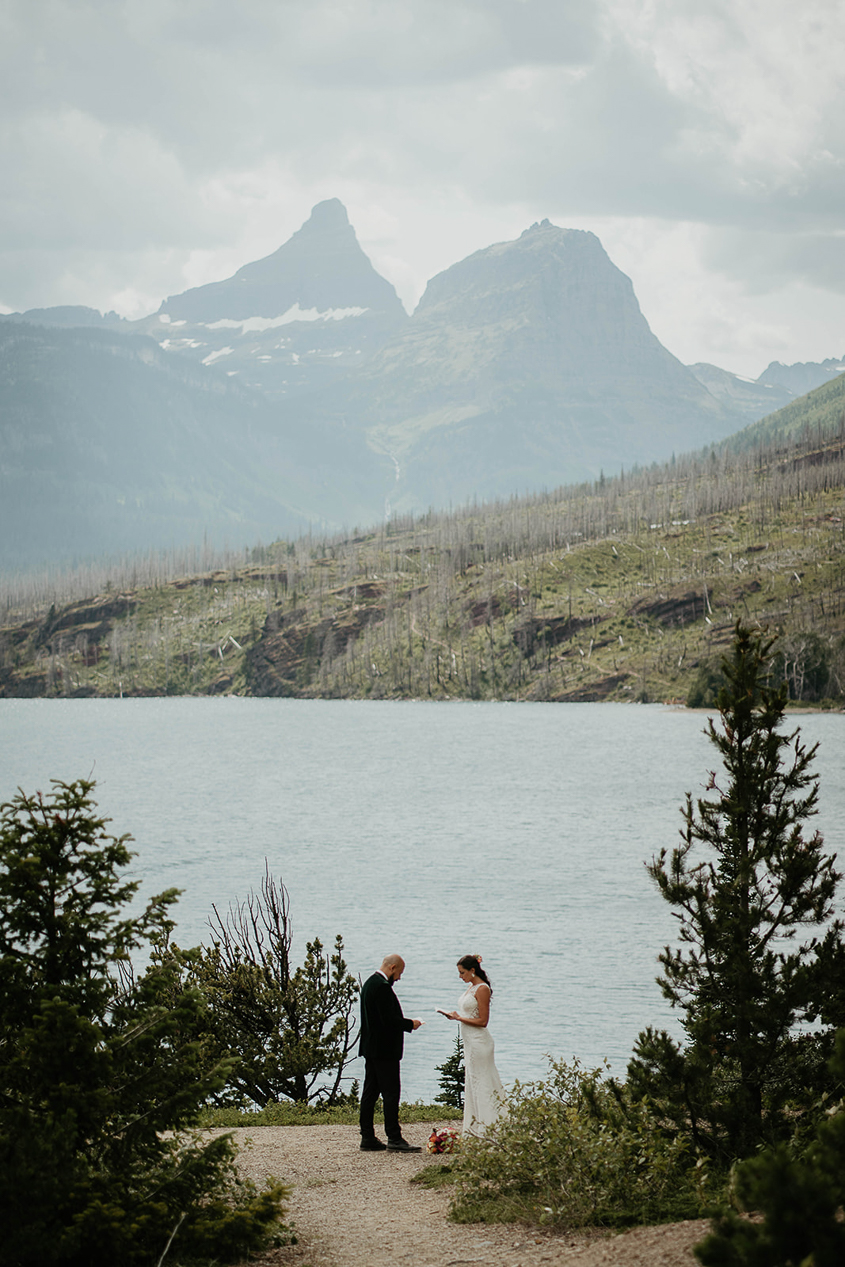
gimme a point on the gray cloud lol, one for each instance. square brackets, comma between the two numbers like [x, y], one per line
[769, 260]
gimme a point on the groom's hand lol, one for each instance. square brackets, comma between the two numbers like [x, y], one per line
[417, 1024]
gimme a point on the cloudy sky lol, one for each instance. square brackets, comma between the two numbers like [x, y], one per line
[151, 145]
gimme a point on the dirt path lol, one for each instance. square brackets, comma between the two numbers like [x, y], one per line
[354, 1209]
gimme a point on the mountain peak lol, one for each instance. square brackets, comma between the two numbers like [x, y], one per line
[538, 224]
[529, 361]
[545, 235]
[545, 265]
[320, 267]
[329, 214]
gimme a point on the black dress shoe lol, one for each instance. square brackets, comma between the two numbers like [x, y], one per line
[373, 1145]
[402, 1146]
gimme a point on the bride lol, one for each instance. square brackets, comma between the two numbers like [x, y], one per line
[483, 1087]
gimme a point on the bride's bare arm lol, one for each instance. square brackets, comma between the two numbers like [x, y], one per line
[482, 998]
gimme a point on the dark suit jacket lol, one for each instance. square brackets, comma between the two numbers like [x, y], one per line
[383, 1027]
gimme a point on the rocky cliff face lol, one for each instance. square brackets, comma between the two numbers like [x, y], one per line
[528, 365]
[293, 323]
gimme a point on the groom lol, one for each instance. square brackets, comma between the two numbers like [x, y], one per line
[383, 1029]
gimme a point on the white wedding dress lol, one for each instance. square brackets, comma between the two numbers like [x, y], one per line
[483, 1085]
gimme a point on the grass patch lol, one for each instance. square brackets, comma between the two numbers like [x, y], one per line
[288, 1113]
[438, 1175]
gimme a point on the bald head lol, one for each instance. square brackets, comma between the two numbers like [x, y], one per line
[393, 966]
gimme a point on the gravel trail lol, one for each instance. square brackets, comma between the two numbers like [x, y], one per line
[354, 1209]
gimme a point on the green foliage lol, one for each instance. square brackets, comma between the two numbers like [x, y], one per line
[800, 1196]
[815, 415]
[706, 685]
[743, 881]
[452, 1078]
[812, 666]
[291, 1029]
[576, 1150]
[101, 1073]
[438, 1175]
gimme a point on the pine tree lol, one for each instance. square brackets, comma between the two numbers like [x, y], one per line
[800, 1196]
[743, 882]
[452, 1078]
[101, 1072]
[292, 1029]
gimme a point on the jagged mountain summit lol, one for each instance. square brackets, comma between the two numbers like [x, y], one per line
[70, 316]
[293, 322]
[528, 365]
[778, 384]
[321, 266]
[803, 376]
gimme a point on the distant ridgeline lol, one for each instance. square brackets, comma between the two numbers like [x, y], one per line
[299, 396]
[624, 588]
[110, 446]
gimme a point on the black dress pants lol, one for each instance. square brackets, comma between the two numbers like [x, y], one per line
[381, 1078]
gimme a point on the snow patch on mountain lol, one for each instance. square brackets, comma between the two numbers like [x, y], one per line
[215, 356]
[257, 325]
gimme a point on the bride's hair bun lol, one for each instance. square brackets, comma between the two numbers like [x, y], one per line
[472, 963]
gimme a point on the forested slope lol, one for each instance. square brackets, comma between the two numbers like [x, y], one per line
[820, 411]
[624, 589]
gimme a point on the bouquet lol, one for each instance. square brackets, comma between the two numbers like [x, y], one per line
[445, 1141]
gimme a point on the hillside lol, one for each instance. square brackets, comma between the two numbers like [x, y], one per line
[108, 445]
[623, 589]
[820, 410]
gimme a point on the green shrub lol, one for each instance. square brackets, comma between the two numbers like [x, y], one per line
[439, 1175]
[574, 1150]
[706, 685]
[807, 663]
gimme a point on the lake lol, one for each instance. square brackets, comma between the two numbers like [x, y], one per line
[517, 831]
